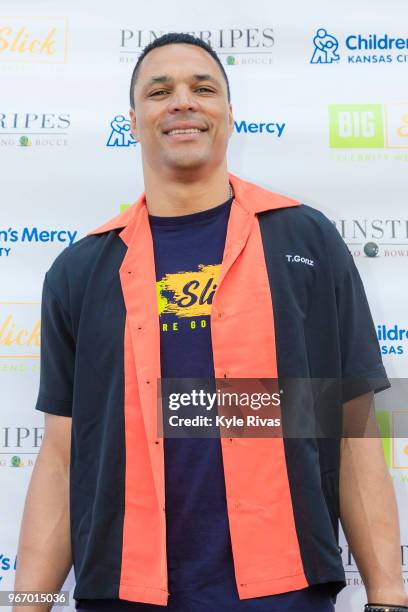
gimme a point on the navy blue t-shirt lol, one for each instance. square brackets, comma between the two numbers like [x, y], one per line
[188, 253]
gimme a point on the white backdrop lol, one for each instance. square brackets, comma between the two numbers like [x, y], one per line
[341, 145]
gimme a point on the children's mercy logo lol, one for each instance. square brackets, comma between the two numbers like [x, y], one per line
[359, 48]
[326, 45]
[120, 135]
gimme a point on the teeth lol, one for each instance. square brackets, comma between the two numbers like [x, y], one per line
[187, 131]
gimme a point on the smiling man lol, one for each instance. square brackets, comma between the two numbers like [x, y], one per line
[205, 276]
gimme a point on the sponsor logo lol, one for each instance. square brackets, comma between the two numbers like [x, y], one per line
[235, 46]
[353, 577]
[34, 129]
[299, 259]
[120, 134]
[33, 39]
[356, 126]
[375, 238]
[12, 236]
[7, 563]
[19, 446]
[358, 48]
[19, 330]
[368, 126]
[245, 127]
[393, 339]
[390, 423]
[325, 48]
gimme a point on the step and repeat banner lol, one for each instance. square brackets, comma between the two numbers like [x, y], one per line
[321, 114]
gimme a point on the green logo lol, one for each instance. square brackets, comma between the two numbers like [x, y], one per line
[230, 60]
[356, 126]
[371, 249]
[24, 141]
[16, 461]
[383, 420]
[124, 207]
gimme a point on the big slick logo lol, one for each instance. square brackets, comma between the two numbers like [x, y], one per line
[33, 39]
[368, 126]
[235, 46]
[19, 330]
[358, 48]
[36, 129]
[393, 427]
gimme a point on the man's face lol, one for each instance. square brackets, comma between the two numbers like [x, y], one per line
[182, 116]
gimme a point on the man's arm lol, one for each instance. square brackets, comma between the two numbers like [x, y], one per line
[44, 556]
[368, 508]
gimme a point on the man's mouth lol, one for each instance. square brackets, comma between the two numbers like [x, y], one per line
[184, 131]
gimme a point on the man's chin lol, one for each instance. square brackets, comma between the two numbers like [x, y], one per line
[186, 161]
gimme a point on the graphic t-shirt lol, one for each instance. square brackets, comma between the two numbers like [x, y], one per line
[188, 253]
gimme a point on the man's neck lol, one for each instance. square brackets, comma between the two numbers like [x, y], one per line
[185, 195]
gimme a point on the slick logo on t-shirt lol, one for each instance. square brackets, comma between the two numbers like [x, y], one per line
[188, 294]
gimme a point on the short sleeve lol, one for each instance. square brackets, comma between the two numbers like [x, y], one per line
[362, 367]
[57, 356]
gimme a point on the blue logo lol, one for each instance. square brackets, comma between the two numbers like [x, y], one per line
[392, 339]
[371, 48]
[247, 127]
[120, 136]
[326, 45]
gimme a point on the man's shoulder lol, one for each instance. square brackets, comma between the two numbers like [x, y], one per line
[305, 216]
[74, 264]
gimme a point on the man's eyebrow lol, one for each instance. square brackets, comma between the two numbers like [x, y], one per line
[159, 79]
[205, 77]
[165, 78]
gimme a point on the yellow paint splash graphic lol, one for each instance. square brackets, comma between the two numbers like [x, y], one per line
[188, 294]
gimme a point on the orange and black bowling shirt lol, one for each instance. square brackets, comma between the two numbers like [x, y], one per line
[289, 303]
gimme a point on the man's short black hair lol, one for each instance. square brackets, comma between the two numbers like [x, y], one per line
[170, 39]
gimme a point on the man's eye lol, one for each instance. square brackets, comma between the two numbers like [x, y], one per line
[206, 89]
[160, 91]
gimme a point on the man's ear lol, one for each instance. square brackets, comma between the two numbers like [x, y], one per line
[133, 127]
[230, 121]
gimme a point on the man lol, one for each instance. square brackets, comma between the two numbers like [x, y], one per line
[205, 276]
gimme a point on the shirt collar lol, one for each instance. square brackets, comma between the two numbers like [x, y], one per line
[252, 198]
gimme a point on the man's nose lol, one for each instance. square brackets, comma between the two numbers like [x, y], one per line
[182, 100]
